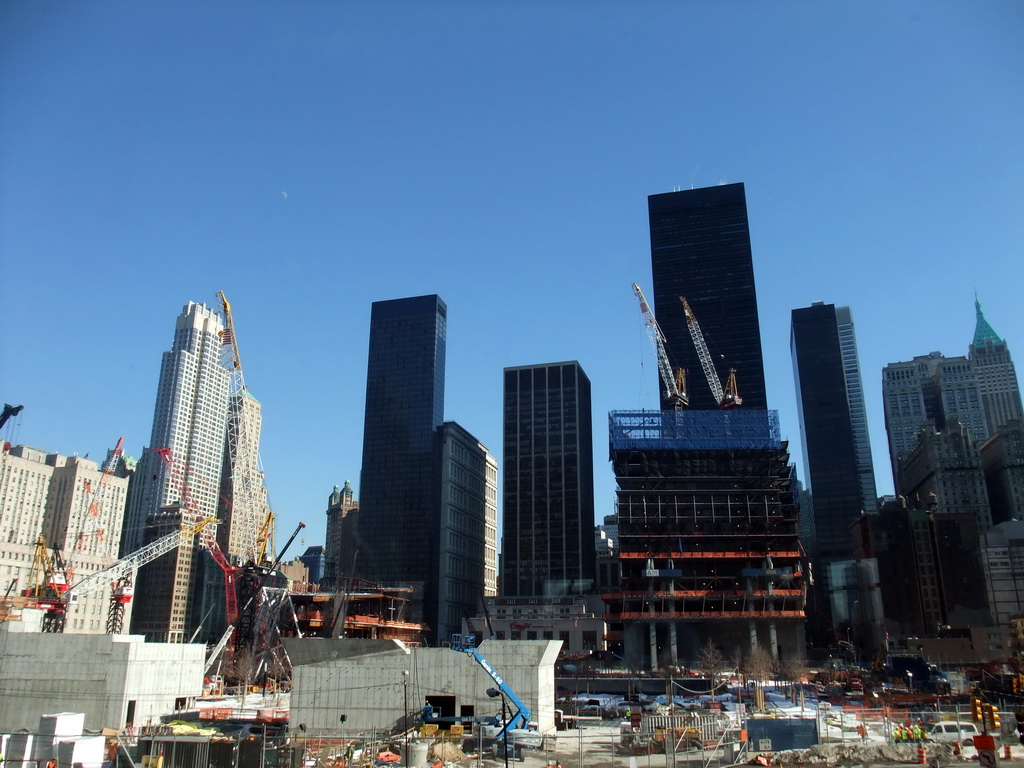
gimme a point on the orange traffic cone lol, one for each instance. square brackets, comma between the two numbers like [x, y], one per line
[1006, 751]
[956, 748]
[921, 758]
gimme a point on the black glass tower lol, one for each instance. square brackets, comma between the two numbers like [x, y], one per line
[836, 454]
[548, 490]
[398, 528]
[826, 430]
[700, 249]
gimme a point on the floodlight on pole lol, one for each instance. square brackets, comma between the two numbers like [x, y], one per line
[494, 693]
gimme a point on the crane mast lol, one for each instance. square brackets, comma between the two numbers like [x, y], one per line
[674, 384]
[47, 584]
[244, 493]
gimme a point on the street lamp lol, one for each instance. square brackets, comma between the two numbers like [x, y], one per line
[493, 693]
[910, 683]
[405, 715]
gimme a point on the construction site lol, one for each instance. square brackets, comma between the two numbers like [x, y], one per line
[708, 537]
[707, 523]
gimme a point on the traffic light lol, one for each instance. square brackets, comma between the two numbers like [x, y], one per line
[1016, 684]
[976, 715]
[993, 719]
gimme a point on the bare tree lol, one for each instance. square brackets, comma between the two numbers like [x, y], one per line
[712, 664]
[241, 670]
[738, 662]
[792, 671]
[759, 667]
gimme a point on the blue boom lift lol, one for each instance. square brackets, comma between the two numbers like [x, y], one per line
[520, 717]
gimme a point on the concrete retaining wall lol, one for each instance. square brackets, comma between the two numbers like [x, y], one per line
[97, 675]
[365, 681]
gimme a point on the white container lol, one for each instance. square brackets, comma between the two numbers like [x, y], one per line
[43, 748]
[62, 724]
[18, 753]
[87, 750]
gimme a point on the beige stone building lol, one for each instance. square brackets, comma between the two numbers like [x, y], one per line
[75, 507]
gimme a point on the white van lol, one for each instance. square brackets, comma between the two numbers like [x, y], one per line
[952, 731]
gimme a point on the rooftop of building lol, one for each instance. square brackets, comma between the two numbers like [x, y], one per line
[694, 430]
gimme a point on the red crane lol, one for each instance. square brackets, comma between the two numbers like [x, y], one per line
[207, 536]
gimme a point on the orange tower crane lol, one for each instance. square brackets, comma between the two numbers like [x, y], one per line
[48, 582]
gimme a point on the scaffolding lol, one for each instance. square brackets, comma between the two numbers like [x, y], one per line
[708, 543]
[693, 430]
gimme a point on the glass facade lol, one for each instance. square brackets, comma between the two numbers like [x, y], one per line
[548, 493]
[827, 433]
[700, 250]
[399, 495]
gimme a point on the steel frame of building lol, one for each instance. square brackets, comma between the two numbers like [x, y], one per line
[707, 528]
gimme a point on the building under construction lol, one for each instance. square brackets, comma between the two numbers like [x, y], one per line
[707, 537]
[359, 609]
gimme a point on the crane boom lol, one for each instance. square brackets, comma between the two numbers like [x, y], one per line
[518, 719]
[207, 537]
[127, 565]
[8, 412]
[702, 352]
[227, 337]
[91, 520]
[674, 385]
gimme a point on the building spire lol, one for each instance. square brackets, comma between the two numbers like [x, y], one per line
[982, 330]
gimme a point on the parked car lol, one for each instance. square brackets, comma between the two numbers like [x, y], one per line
[950, 730]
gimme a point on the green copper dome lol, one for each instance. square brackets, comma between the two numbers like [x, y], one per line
[983, 331]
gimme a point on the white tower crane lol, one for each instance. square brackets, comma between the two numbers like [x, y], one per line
[675, 385]
[728, 397]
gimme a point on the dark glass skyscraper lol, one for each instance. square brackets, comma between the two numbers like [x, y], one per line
[829, 427]
[548, 493]
[398, 528]
[837, 457]
[700, 249]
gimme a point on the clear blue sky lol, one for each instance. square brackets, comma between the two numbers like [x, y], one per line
[309, 158]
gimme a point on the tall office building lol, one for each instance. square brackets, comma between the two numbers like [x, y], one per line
[398, 521]
[467, 553]
[1002, 556]
[705, 508]
[946, 467]
[1002, 457]
[980, 392]
[858, 410]
[191, 419]
[929, 388]
[548, 492]
[997, 377]
[926, 565]
[833, 426]
[700, 250]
